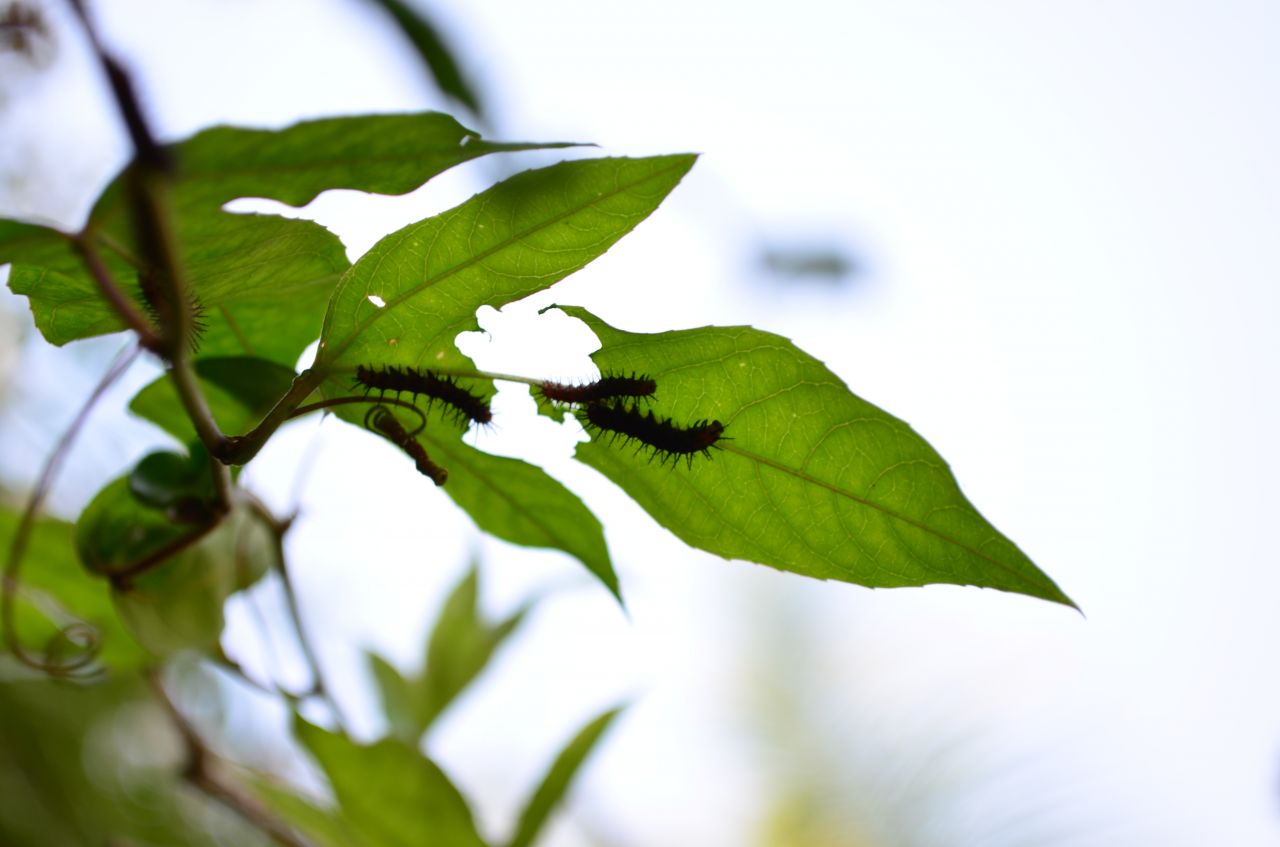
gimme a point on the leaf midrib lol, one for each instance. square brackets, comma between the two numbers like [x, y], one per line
[890, 513]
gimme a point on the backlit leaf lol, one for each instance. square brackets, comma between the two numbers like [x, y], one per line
[808, 478]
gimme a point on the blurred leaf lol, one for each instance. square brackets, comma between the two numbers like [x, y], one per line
[558, 779]
[185, 572]
[179, 604]
[433, 51]
[517, 238]
[56, 592]
[460, 647]
[400, 699]
[458, 650]
[89, 766]
[389, 794]
[808, 478]
[180, 484]
[117, 531]
[240, 391]
[322, 827]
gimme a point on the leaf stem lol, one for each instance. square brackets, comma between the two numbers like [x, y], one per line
[239, 449]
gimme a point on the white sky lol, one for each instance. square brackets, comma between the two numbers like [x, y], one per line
[1067, 216]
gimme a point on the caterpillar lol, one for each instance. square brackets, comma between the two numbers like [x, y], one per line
[381, 420]
[659, 435]
[427, 383]
[605, 388]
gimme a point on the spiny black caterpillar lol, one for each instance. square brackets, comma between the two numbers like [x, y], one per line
[433, 386]
[608, 387]
[660, 436]
[381, 420]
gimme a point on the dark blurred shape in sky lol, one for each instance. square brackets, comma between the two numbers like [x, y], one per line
[23, 30]
[820, 263]
[437, 54]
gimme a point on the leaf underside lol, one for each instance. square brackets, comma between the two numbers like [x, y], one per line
[808, 478]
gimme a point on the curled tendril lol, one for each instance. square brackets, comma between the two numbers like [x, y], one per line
[85, 643]
[342, 401]
[12, 582]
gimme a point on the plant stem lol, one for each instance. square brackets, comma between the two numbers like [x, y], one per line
[279, 528]
[147, 184]
[115, 296]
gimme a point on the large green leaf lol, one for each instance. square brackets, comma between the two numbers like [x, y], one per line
[407, 299]
[808, 478]
[558, 779]
[262, 281]
[389, 794]
[56, 593]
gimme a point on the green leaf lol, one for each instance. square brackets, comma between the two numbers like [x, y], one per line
[510, 498]
[171, 577]
[519, 237]
[178, 605]
[92, 766]
[389, 793]
[558, 779]
[458, 650]
[174, 481]
[261, 282]
[433, 51]
[56, 592]
[383, 154]
[240, 391]
[521, 503]
[400, 699]
[460, 647]
[321, 827]
[117, 531]
[808, 478]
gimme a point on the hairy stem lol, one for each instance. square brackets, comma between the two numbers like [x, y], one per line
[147, 183]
